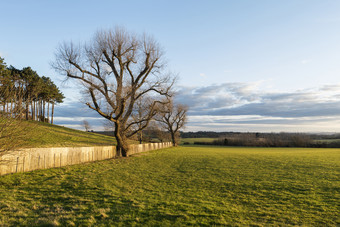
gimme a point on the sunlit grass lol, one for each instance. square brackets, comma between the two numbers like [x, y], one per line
[38, 134]
[193, 140]
[182, 186]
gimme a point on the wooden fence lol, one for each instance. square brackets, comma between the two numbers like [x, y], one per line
[43, 158]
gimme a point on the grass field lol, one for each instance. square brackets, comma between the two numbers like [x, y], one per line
[327, 140]
[193, 140]
[182, 186]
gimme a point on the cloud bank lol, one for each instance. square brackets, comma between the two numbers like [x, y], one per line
[239, 107]
[73, 113]
[246, 107]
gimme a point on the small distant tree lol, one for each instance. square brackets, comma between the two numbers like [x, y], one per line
[139, 115]
[86, 125]
[161, 133]
[173, 117]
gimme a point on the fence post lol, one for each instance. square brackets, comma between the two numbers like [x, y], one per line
[23, 164]
[16, 169]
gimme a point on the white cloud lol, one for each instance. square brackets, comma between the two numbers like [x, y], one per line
[73, 119]
[262, 124]
[245, 107]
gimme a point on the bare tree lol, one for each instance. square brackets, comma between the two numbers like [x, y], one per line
[159, 131]
[172, 118]
[86, 125]
[141, 112]
[118, 68]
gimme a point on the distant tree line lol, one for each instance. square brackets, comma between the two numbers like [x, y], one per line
[202, 134]
[26, 95]
[272, 140]
[262, 140]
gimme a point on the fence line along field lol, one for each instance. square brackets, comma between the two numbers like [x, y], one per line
[182, 186]
[25, 160]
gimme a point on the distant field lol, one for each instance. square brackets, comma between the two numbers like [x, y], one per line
[47, 135]
[193, 140]
[327, 141]
[182, 186]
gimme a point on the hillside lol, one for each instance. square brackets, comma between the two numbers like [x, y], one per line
[38, 134]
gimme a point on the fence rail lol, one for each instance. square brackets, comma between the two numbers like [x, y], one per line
[25, 160]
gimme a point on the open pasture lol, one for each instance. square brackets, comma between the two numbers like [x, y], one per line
[191, 141]
[182, 186]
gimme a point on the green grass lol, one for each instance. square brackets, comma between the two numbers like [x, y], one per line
[193, 140]
[38, 134]
[182, 186]
[327, 140]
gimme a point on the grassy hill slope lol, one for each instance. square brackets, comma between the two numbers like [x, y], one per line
[38, 134]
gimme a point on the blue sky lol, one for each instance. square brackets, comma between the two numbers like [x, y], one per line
[243, 65]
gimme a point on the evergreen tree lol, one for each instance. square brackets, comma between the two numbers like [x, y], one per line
[24, 90]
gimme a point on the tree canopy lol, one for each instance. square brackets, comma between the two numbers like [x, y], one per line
[117, 68]
[25, 94]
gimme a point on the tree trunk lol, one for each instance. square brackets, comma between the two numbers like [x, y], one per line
[19, 106]
[48, 112]
[27, 109]
[140, 137]
[43, 110]
[11, 107]
[52, 113]
[37, 110]
[40, 107]
[173, 138]
[32, 110]
[122, 145]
